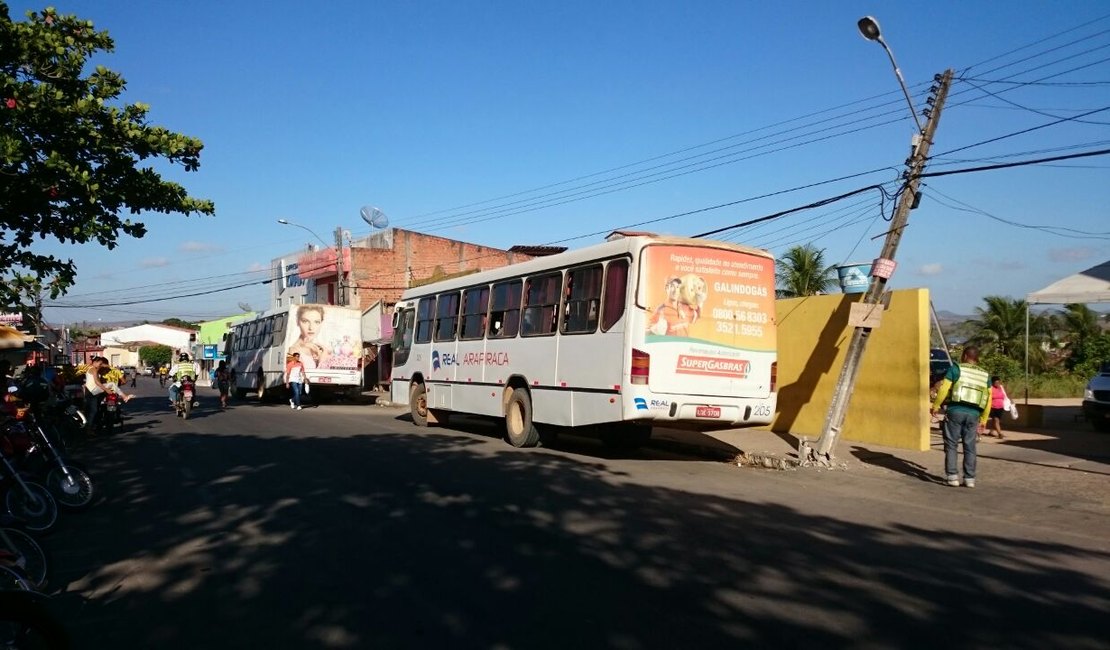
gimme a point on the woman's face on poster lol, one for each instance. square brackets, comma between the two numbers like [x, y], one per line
[310, 323]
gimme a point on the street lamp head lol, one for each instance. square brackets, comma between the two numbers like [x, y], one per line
[284, 221]
[869, 28]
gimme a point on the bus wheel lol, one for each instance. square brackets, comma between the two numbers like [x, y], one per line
[518, 420]
[418, 405]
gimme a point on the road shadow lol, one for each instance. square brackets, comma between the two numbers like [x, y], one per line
[901, 465]
[391, 540]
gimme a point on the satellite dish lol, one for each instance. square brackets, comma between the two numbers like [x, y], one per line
[245, 307]
[374, 216]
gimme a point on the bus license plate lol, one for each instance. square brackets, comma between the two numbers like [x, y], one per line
[323, 380]
[707, 412]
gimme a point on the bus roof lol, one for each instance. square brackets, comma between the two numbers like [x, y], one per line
[603, 250]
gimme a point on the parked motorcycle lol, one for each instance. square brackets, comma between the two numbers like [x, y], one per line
[24, 499]
[20, 551]
[68, 482]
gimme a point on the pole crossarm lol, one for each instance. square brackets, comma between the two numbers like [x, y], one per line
[821, 453]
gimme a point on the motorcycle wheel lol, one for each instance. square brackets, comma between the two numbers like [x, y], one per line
[32, 558]
[73, 493]
[186, 407]
[37, 510]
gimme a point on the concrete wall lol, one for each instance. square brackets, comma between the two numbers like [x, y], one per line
[889, 405]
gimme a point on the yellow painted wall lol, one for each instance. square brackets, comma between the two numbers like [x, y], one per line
[889, 404]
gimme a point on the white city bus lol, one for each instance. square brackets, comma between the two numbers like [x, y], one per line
[329, 339]
[634, 332]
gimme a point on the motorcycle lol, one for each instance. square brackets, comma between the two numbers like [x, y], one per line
[42, 456]
[185, 396]
[25, 500]
[109, 417]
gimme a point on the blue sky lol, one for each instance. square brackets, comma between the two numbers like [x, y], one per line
[505, 123]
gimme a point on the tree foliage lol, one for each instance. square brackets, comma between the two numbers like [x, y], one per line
[155, 355]
[802, 271]
[1000, 329]
[73, 158]
[177, 322]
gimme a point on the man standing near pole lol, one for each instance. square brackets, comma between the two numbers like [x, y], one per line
[966, 417]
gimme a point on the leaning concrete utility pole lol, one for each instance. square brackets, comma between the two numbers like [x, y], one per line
[881, 270]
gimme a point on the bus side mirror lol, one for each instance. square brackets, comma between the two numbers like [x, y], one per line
[396, 319]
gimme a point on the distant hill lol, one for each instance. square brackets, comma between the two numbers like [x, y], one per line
[948, 317]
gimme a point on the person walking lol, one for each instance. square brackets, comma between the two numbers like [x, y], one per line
[295, 379]
[223, 382]
[968, 389]
[999, 405]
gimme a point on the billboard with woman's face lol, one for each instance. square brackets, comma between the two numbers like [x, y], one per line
[326, 336]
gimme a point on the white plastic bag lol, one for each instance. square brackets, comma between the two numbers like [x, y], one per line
[308, 385]
[1013, 411]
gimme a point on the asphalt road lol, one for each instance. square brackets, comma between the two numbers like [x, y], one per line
[344, 526]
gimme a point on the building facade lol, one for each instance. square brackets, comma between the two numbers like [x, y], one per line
[379, 267]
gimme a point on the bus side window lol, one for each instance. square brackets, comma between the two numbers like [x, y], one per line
[447, 316]
[425, 315]
[475, 303]
[616, 293]
[504, 317]
[541, 304]
[582, 299]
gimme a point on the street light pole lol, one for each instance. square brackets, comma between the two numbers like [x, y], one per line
[869, 28]
[883, 267]
[340, 297]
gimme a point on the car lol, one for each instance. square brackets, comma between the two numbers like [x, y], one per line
[939, 363]
[1096, 399]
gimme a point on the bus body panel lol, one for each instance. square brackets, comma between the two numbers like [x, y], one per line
[702, 312]
[264, 342]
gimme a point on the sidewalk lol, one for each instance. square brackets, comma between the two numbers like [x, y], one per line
[1063, 441]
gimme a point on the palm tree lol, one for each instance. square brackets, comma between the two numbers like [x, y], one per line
[1001, 328]
[802, 271]
[1079, 323]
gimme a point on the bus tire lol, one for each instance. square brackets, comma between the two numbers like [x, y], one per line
[418, 405]
[519, 429]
